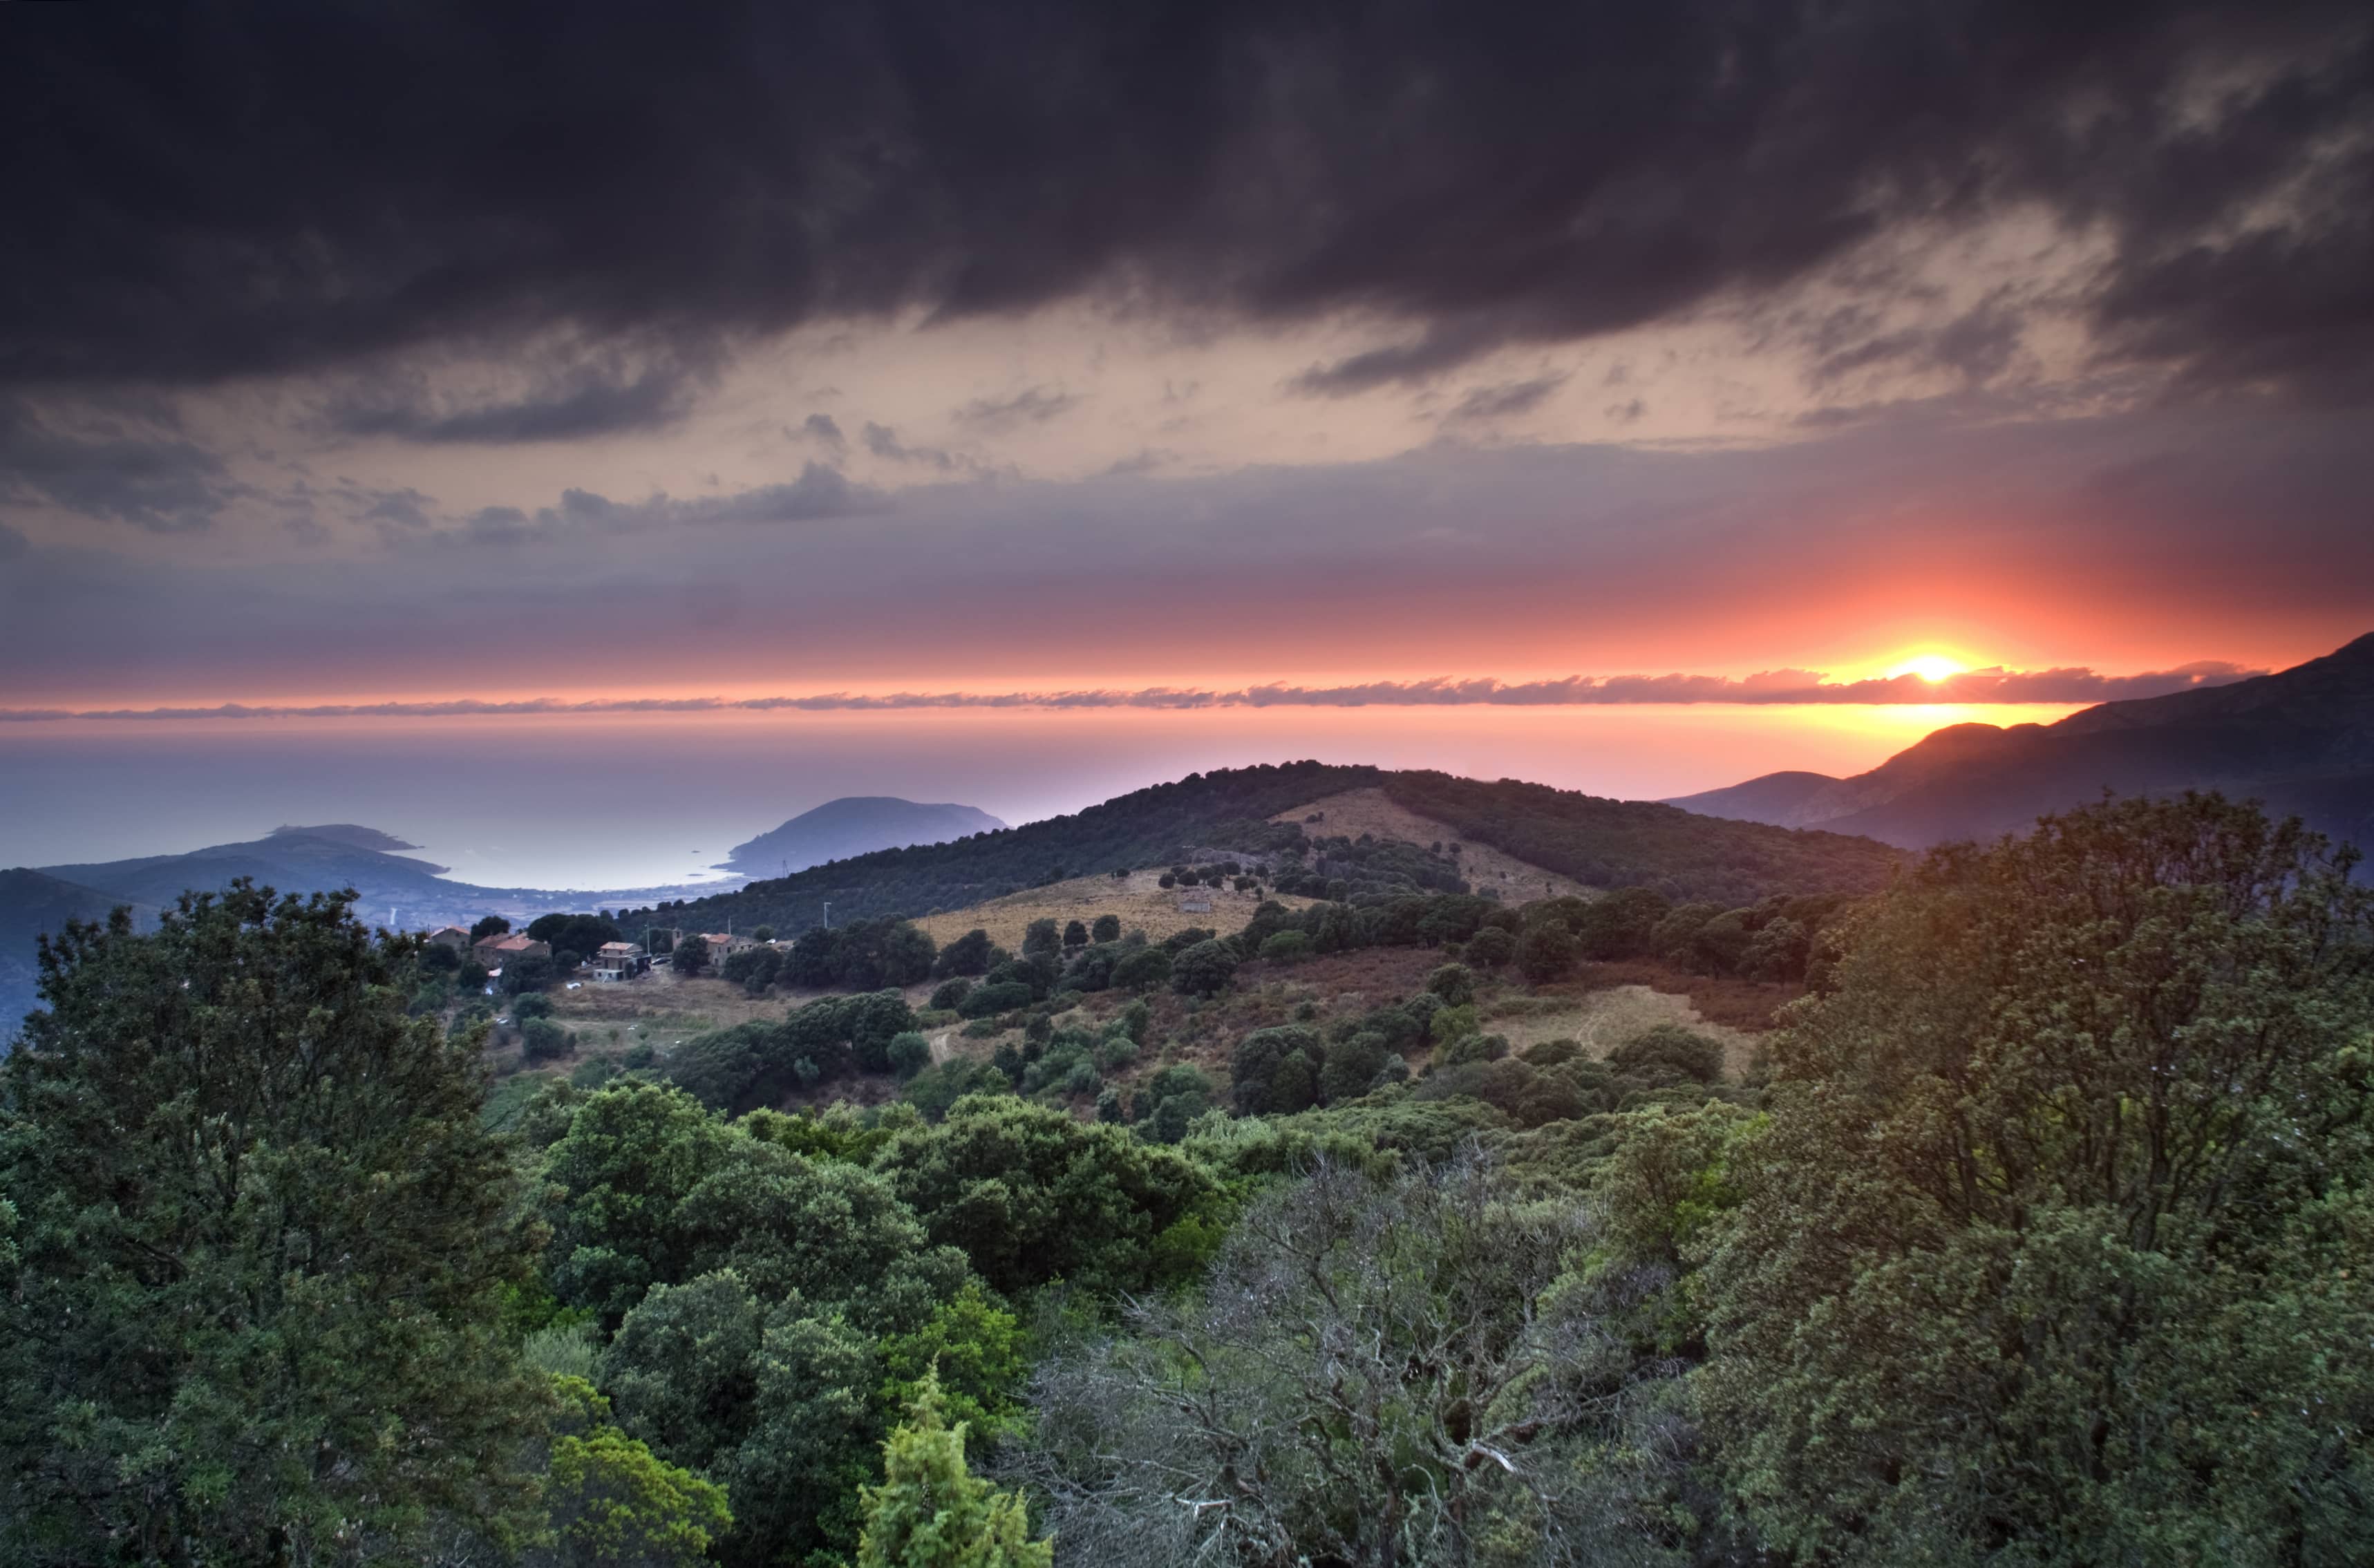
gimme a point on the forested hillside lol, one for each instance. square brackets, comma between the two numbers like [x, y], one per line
[1600, 842]
[1642, 843]
[1223, 809]
[1378, 1287]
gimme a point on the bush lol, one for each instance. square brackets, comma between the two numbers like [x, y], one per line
[1353, 1065]
[1002, 996]
[1206, 969]
[1106, 929]
[1549, 1053]
[1544, 953]
[910, 1054]
[1075, 934]
[541, 1040]
[1472, 1047]
[535, 1004]
[1490, 947]
[1041, 936]
[935, 1089]
[1671, 1047]
[1455, 983]
[1133, 1020]
[1142, 969]
[1253, 1067]
[1286, 947]
[950, 995]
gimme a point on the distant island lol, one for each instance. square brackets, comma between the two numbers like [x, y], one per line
[855, 825]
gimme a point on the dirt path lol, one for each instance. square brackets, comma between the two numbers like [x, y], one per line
[941, 1048]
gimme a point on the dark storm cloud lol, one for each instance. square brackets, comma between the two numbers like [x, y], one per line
[1032, 405]
[208, 189]
[884, 443]
[819, 493]
[575, 407]
[1508, 398]
[150, 479]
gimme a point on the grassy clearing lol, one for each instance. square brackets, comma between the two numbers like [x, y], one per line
[1603, 1019]
[1138, 899]
[1355, 812]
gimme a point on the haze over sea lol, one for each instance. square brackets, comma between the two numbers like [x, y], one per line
[627, 800]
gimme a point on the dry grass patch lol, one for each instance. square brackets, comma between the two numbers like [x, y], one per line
[1604, 1019]
[1739, 1004]
[1138, 900]
[1371, 811]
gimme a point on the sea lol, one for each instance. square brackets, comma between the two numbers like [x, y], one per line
[594, 802]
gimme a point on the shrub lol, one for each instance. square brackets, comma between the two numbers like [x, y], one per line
[1142, 969]
[1490, 947]
[1286, 947]
[968, 954]
[1253, 1066]
[1001, 996]
[950, 995]
[1545, 953]
[1075, 934]
[541, 1040]
[1205, 969]
[910, 1054]
[937, 1087]
[1352, 1066]
[1106, 929]
[1471, 1048]
[1549, 1053]
[1669, 1046]
[1455, 983]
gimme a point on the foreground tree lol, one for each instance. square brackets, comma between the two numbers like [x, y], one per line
[262, 1247]
[2055, 1250]
[1382, 1375]
[931, 1512]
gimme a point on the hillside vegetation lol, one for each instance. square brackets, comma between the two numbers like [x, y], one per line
[1597, 843]
[2035, 1235]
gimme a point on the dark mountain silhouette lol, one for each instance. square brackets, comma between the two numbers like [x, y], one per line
[855, 825]
[31, 905]
[2300, 740]
[294, 861]
[348, 834]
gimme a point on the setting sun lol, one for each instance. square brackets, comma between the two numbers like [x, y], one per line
[1929, 667]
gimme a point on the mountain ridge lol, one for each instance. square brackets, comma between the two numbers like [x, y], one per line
[855, 825]
[2299, 740]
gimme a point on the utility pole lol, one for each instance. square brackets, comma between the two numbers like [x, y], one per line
[828, 914]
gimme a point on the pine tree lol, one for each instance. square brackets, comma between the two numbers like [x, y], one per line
[931, 1512]
[263, 1246]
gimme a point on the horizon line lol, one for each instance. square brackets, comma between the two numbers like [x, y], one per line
[1992, 687]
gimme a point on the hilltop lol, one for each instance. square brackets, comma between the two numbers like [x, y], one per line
[2300, 740]
[1575, 839]
[855, 825]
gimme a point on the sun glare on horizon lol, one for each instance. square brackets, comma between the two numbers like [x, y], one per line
[1928, 666]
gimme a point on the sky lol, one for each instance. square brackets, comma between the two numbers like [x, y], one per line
[440, 358]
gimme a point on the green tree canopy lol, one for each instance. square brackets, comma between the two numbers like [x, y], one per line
[263, 1244]
[931, 1512]
[2055, 1248]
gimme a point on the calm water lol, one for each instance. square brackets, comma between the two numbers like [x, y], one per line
[610, 801]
